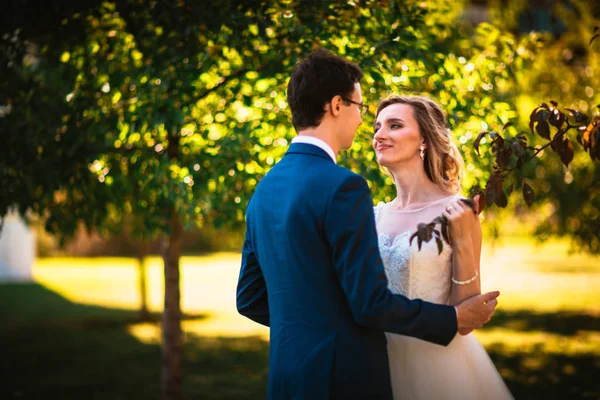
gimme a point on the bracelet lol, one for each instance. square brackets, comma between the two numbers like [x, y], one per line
[467, 281]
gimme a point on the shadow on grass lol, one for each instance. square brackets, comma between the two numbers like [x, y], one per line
[54, 348]
[32, 303]
[532, 372]
[538, 375]
[562, 323]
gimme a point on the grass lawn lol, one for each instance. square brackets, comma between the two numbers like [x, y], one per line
[74, 334]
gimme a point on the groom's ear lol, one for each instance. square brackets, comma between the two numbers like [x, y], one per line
[335, 105]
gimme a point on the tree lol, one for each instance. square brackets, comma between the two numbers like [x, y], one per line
[498, 59]
[516, 160]
[167, 115]
[567, 201]
[512, 155]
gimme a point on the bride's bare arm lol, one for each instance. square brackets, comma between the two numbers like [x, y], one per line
[465, 231]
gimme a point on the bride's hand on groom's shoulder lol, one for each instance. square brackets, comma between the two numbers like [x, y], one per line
[476, 311]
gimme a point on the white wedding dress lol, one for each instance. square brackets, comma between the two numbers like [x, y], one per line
[418, 369]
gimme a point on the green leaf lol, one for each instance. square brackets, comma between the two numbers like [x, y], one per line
[516, 148]
[508, 124]
[377, 77]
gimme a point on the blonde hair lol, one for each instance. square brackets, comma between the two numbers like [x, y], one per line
[443, 162]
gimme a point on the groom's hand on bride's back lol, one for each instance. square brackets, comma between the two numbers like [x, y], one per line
[476, 311]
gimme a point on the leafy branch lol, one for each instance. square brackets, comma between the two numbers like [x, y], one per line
[425, 232]
[596, 34]
[512, 154]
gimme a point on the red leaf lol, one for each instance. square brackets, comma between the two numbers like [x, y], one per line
[440, 246]
[489, 196]
[509, 189]
[542, 115]
[482, 202]
[566, 152]
[556, 119]
[445, 234]
[532, 118]
[469, 202]
[501, 200]
[528, 194]
[543, 129]
[476, 144]
[414, 235]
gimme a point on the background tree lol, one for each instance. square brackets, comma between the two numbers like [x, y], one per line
[564, 69]
[166, 115]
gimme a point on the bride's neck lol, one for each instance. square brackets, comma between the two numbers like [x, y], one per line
[414, 187]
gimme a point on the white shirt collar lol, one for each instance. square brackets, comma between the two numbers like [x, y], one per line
[316, 142]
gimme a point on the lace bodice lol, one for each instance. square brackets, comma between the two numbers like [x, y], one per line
[423, 274]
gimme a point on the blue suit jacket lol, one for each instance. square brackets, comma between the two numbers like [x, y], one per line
[311, 270]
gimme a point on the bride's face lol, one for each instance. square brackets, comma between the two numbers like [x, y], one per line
[397, 137]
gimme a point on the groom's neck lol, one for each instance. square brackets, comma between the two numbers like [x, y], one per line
[325, 134]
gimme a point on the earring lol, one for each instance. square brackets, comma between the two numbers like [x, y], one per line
[422, 148]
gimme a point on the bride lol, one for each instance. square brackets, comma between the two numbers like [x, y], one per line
[413, 145]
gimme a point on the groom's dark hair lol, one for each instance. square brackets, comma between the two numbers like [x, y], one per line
[314, 82]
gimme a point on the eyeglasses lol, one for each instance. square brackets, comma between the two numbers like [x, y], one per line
[364, 108]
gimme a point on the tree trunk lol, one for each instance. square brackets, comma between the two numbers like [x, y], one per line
[172, 347]
[142, 277]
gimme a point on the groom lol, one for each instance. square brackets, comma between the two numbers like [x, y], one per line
[311, 269]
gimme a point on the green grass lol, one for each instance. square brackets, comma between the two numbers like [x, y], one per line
[75, 333]
[53, 348]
